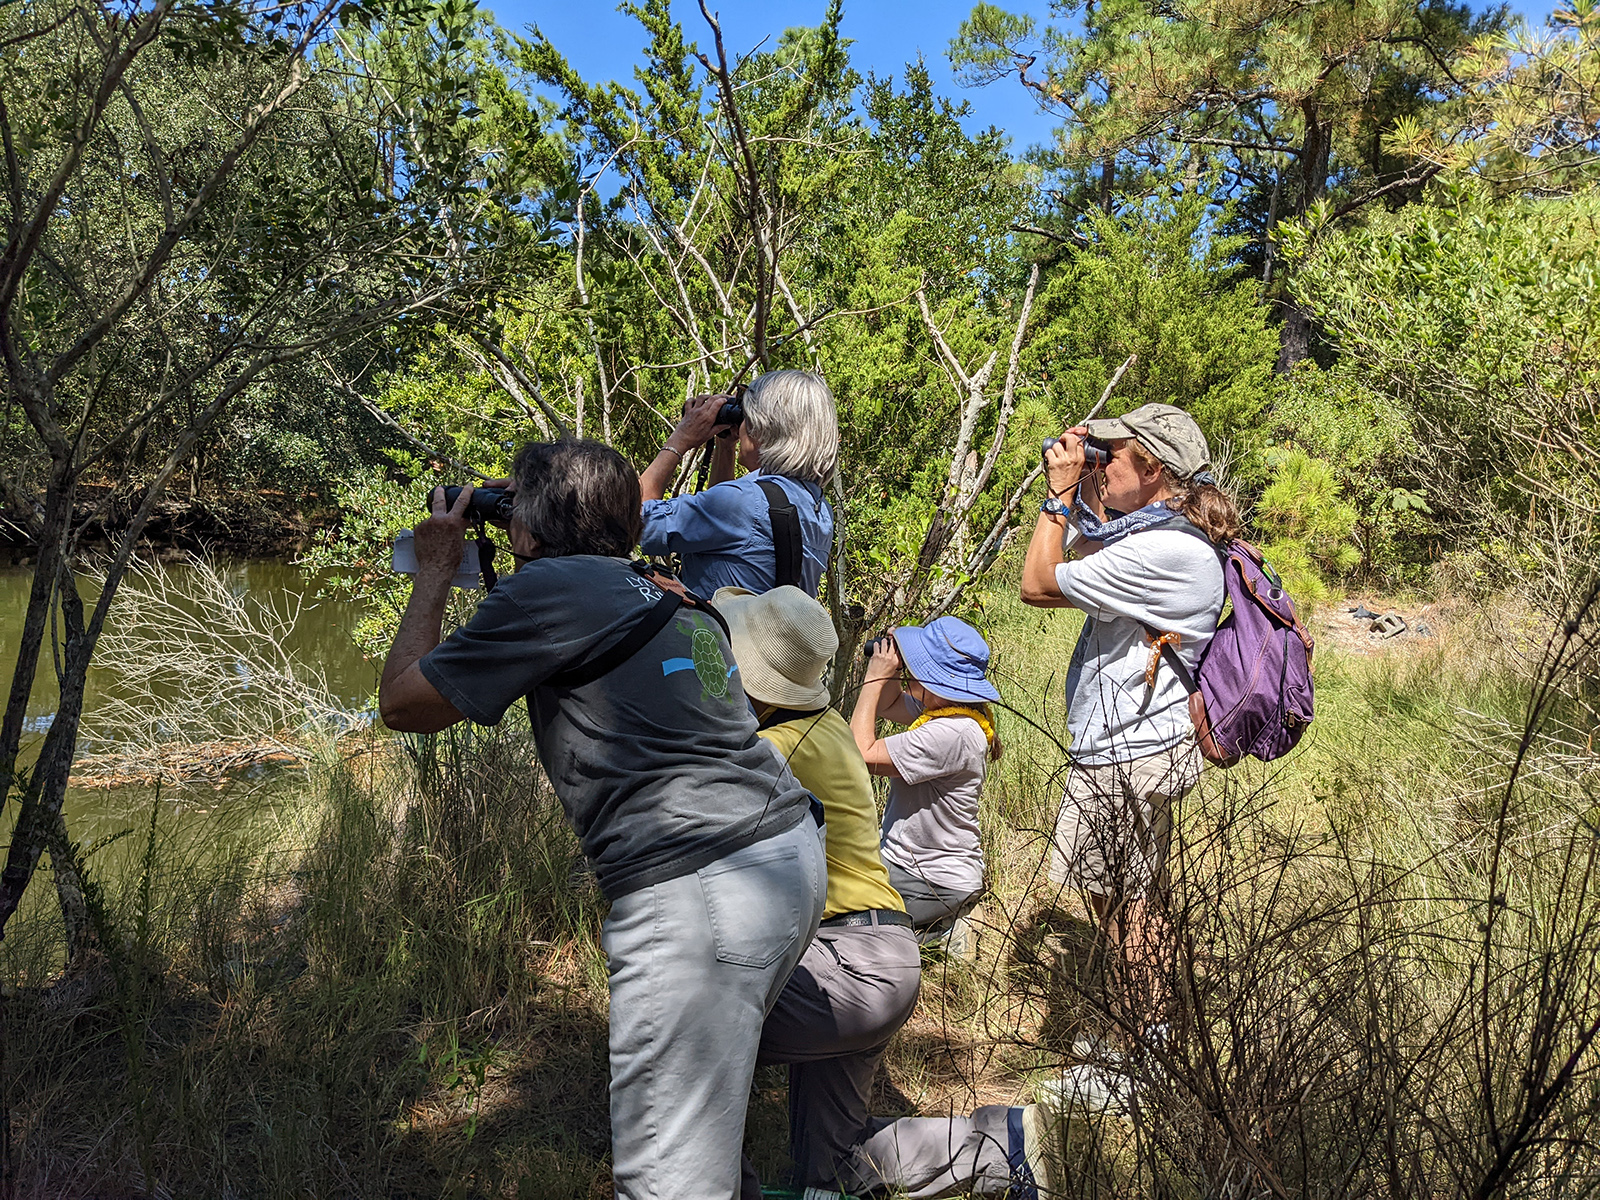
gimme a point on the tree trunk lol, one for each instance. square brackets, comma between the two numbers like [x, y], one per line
[39, 817]
[1294, 344]
[48, 568]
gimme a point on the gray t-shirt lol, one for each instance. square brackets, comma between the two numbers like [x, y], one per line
[1168, 580]
[930, 827]
[657, 762]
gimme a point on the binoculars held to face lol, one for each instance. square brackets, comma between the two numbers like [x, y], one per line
[872, 644]
[1096, 451]
[731, 413]
[487, 504]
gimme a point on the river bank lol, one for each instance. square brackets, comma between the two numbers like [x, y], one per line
[241, 524]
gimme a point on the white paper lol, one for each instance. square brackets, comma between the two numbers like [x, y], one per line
[404, 561]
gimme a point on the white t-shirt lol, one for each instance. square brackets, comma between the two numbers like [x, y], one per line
[930, 828]
[1168, 580]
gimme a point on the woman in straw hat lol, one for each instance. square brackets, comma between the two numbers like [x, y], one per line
[857, 982]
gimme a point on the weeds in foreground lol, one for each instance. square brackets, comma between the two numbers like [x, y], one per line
[1383, 979]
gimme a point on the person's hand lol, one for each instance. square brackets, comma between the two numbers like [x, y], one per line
[885, 661]
[1063, 462]
[441, 538]
[699, 423]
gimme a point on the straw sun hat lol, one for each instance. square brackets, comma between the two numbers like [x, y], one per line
[783, 641]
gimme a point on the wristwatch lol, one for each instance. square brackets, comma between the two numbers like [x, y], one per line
[1055, 507]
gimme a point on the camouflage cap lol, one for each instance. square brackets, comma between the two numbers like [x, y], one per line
[1168, 433]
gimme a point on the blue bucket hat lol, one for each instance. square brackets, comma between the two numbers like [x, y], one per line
[949, 657]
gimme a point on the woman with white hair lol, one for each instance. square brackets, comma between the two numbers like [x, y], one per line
[766, 528]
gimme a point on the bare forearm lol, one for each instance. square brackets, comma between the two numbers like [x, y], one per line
[723, 459]
[419, 627]
[657, 477]
[864, 719]
[1039, 587]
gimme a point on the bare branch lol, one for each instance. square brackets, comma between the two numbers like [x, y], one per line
[754, 209]
[522, 386]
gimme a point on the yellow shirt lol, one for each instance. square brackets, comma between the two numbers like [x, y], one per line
[824, 758]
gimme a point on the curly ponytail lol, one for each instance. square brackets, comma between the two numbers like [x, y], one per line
[1208, 508]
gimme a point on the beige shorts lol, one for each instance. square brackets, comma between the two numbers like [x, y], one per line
[1115, 825]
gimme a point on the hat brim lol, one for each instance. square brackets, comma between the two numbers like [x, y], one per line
[1106, 428]
[762, 682]
[913, 643]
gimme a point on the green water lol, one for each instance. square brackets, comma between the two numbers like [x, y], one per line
[259, 803]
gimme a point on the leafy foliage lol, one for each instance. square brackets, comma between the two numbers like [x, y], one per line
[1473, 327]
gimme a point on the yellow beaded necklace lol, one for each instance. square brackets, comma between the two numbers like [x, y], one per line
[960, 710]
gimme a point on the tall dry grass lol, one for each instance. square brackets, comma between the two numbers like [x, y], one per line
[1383, 979]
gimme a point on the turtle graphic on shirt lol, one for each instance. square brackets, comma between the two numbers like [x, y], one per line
[706, 660]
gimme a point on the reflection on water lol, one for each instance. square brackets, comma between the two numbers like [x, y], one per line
[199, 815]
[321, 636]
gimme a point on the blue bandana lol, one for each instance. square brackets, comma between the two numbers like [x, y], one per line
[1114, 530]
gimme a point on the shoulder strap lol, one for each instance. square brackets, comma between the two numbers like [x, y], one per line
[1171, 657]
[652, 623]
[781, 716]
[673, 597]
[786, 545]
[1178, 523]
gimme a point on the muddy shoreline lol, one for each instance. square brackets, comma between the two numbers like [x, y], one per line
[244, 524]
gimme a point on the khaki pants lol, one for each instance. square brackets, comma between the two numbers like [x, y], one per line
[854, 988]
[1115, 825]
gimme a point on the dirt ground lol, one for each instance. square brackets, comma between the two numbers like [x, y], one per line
[1336, 626]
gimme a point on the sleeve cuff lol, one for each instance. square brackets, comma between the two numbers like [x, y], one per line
[465, 705]
[1064, 579]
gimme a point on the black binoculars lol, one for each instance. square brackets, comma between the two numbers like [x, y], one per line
[871, 644]
[731, 413]
[487, 504]
[1096, 451]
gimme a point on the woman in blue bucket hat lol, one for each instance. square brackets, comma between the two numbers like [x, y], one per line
[931, 844]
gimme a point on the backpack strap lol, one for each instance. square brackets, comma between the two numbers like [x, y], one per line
[1197, 701]
[786, 544]
[1171, 656]
[673, 597]
[652, 623]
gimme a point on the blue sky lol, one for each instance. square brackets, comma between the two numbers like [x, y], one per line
[603, 44]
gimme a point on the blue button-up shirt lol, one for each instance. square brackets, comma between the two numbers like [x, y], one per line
[724, 534]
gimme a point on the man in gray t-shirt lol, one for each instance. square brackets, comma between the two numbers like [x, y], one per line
[657, 762]
[701, 837]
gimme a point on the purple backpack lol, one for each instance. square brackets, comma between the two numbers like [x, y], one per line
[1251, 693]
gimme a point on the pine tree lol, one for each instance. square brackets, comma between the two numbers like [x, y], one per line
[1290, 99]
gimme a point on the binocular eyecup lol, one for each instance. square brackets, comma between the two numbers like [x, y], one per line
[1096, 451]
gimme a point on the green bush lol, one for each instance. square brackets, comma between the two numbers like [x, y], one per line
[1306, 522]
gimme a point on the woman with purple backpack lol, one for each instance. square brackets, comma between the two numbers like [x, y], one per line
[1148, 576]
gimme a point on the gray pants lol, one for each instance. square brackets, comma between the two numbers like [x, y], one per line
[855, 986]
[695, 964]
[924, 1158]
[933, 909]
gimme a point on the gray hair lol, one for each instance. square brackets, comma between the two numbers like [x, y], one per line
[792, 415]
